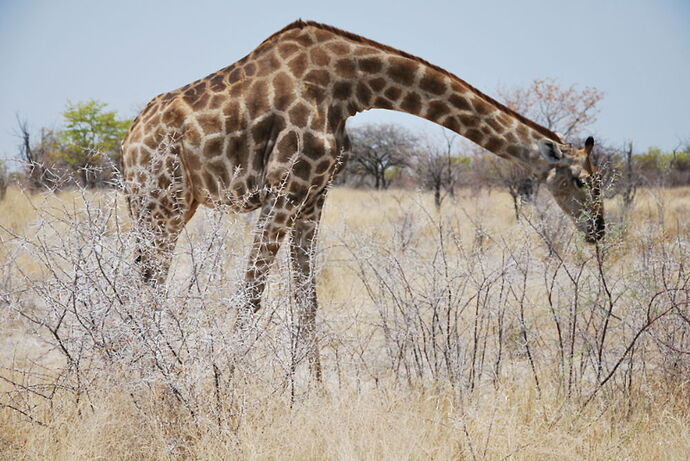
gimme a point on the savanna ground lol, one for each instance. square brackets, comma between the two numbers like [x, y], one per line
[459, 334]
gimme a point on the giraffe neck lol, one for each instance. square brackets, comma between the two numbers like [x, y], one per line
[402, 83]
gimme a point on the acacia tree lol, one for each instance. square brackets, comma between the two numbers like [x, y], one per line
[91, 139]
[565, 110]
[378, 149]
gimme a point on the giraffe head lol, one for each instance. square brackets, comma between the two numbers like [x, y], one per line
[575, 183]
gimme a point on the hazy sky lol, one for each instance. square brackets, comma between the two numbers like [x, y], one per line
[125, 52]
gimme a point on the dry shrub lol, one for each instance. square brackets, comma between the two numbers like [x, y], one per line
[457, 334]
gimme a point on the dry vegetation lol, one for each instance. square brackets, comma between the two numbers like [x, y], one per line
[459, 334]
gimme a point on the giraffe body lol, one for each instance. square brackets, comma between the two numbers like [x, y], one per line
[269, 132]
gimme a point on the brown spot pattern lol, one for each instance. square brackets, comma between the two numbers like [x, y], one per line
[287, 146]
[299, 114]
[257, 99]
[363, 93]
[319, 77]
[402, 70]
[493, 143]
[345, 67]
[339, 48]
[217, 83]
[231, 111]
[436, 109]
[342, 89]
[322, 166]
[172, 117]
[268, 64]
[234, 76]
[433, 82]
[412, 103]
[219, 171]
[393, 93]
[382, 103]
[210, 123]
[475, 135]
[377, 84]
[366, 51]
[459, 102]
[319, 57]
[313, 147]
[481, 106]
[302, 169]
[283, 89]
[468, 120]
[192, 135]
[250, 69]
[213, 147]
[285, 50]
[298, 65]
[370, 65]
[323, 35]
[304, 39]
[451, 123]
[216, 101]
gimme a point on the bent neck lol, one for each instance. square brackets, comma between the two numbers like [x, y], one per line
[406, 84]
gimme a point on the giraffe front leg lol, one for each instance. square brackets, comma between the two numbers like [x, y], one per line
[302, 247]
[268, 235]
[160, 203]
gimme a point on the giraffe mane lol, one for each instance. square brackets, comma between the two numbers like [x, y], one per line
[301, 24]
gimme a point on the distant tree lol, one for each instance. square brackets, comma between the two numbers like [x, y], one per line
[91, 139]
[521, 184]
[658, 168]
[565, 110]
[629, 178]
[4, 180]
[379, 149]
[435, 167]
[680, 164]
[42, 168]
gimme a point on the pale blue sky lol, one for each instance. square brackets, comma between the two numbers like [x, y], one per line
[125, 52]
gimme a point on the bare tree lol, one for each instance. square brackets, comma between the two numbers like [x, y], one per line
[378, 149]
[435, 168]
[521, 184]
[39, 168]
[567, 111]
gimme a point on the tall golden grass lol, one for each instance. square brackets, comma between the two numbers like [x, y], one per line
[364, 409]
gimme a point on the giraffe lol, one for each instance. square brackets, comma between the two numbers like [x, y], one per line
[268, 132]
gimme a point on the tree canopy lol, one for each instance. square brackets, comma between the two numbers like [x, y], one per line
[91, 132]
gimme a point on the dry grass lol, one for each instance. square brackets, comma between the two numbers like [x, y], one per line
[366, 409]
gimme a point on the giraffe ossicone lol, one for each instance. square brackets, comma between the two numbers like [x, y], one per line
[269, 132]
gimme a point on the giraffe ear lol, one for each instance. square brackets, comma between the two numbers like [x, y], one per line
[550, 151]
[589, 145]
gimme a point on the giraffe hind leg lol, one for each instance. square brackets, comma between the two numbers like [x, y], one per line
[302, 249]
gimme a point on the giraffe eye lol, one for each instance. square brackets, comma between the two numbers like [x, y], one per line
[579, 182]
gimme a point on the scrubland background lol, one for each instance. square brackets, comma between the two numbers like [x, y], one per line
[459, 333]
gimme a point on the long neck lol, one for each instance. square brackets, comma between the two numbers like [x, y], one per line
[387, 80]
